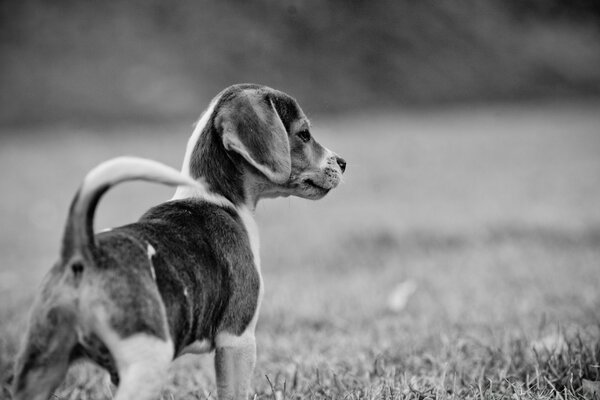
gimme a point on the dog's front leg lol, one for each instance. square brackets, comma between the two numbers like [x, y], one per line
[234, 364]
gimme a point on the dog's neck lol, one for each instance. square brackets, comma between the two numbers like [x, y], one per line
[221, 170]
[222, 173]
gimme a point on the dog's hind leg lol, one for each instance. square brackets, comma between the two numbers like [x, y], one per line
[44, 359]
[142, 361]
[234, 364]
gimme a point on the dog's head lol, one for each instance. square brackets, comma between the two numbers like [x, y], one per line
[262, 141]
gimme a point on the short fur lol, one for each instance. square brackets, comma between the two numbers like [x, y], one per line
[186, 276]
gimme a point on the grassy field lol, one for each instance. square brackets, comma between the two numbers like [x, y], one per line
[492, 215]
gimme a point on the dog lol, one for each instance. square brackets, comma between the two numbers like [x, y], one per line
[186, 277]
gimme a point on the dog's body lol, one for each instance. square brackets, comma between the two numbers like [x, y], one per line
[185, 277]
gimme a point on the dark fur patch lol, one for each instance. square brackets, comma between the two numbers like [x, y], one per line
[204, 268]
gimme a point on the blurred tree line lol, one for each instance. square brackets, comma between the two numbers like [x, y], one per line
[156, 59]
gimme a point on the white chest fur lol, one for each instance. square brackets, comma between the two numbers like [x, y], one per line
[252, 230]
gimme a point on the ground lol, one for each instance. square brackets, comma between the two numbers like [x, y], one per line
[490, 213]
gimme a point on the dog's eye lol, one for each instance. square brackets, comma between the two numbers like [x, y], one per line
[304, 135]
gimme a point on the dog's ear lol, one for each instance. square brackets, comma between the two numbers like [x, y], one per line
[251, 127]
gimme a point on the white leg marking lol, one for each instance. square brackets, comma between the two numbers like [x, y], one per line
[225, 339]
[234, 367]
[142, 361]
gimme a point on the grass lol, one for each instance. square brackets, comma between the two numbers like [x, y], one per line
[492, 212]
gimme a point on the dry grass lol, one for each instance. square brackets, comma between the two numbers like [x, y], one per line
[492, 212]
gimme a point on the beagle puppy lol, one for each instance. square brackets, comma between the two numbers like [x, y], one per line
[186, 277]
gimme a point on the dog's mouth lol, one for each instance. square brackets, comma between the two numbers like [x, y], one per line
[312, 190]
[313, 184]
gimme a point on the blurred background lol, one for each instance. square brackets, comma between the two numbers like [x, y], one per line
[151, 60]
[467, 228]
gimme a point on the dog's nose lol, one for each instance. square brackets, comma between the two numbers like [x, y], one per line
[341, 162]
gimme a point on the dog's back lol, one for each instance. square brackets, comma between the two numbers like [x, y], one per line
[198, 255]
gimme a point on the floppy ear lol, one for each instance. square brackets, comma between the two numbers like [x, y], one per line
[252, 128]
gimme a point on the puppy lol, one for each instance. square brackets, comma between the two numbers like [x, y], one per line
[186, 277]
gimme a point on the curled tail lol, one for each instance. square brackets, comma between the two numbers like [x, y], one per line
[79, 232]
